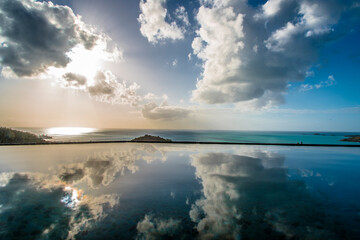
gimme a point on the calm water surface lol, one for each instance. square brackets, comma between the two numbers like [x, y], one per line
[163, 191]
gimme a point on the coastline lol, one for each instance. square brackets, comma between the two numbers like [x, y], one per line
[183, 142]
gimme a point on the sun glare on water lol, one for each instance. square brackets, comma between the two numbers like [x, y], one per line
[69, 130]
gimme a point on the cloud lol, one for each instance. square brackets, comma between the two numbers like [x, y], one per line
[74, 80]
[39, 35]
[189, 56]
[150, 96]
[154, 228]
[164, 112]
[153, 24]
[218, 44]
[349, 110]
[43, 40]
[250, 54]
[270, 8]
[103, 87]
[329, 82]
[106, 88]
[182, 15]
[267, 101]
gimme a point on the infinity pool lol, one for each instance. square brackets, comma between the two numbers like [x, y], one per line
[163, 191]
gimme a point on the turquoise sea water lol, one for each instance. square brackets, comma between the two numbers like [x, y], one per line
[205, 136]
[179, 191]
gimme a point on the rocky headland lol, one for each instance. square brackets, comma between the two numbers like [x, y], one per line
[150, 138]
[351, 138]
[11, 136]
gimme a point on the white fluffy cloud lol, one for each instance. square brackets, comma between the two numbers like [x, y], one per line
[250, 54]
[106, 88]
[43, 40]
[182, 15]
[40, 39]
[38, 35]
[270, 8]
[327, 83]
[103, 87]
[153, 24]
[164, 112]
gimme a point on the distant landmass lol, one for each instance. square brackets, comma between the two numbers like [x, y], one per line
[11, 136]
[351, 138]
[323, 134]
[149, 138]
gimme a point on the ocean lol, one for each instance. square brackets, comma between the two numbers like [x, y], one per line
[93, 134]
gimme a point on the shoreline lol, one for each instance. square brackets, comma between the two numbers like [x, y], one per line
[184, 142]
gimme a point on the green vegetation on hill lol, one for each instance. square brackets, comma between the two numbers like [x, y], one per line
[351, 138]
[149, 138]
[12, 136]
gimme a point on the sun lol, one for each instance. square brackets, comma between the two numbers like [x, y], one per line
[82, 61]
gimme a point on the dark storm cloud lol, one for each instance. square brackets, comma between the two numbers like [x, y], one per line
[36, 35]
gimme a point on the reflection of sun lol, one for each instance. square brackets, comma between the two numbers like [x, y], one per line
[73, 199]
[69, 130]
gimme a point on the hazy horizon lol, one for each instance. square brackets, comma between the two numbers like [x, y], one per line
[177, 129]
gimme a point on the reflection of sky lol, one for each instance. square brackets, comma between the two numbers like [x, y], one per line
[148, 191]
[34, 206]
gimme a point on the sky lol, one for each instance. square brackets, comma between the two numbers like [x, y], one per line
[288, 65]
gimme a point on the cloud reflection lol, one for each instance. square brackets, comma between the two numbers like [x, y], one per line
[155, 228]
[252, 198]
[37, 206]
[100, 169]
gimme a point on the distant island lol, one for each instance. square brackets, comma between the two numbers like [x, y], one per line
[11, 136]
[323, 134]
[351, 138]
[149, 138]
